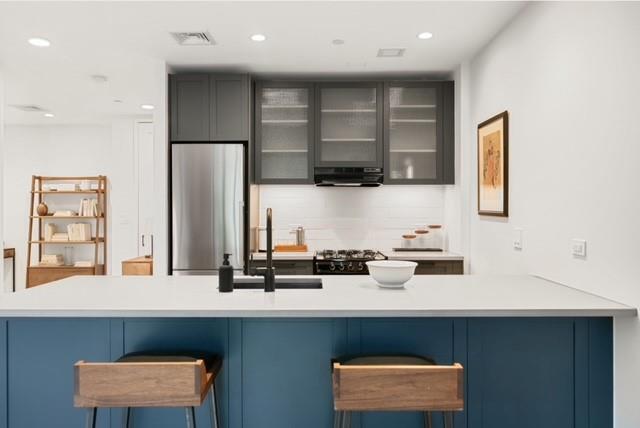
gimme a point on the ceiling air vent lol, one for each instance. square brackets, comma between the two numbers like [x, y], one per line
[194, 38]
[28, 108]
[391, 52]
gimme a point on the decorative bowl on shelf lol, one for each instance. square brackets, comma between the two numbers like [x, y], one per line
[391, 273]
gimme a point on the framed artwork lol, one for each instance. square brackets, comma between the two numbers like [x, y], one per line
[493, 166]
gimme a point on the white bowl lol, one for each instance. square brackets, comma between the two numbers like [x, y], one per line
[391, 273]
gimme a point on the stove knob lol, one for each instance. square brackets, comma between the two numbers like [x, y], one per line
[360, 266]
[350, 267]
[341, 267]
[332, 266]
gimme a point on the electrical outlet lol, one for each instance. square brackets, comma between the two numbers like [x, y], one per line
[517, 239]
[579, 248]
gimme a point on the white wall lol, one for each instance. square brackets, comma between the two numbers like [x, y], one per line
[46, 150]
[72, 150]
[569, 75]
[363, 217]
[5, 284]
[161, 173]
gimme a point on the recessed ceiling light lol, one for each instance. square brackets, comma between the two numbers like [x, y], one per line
[337, 42]
[39, 42]
[117, 100]
[147, 106]
[425, 36]
[258, 37]
[49, 115]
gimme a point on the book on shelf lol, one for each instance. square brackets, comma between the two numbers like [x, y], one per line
[60, 237]
[64, 213]
[49, 230]
[60, 187]
[89, 208]
[79, 232]
[83, 263]
[52, 260]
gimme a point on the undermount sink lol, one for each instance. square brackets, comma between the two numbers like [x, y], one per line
[256, 283]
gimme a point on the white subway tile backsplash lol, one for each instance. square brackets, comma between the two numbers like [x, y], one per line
[351, 217]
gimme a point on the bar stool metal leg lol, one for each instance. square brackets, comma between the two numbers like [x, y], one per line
[191, 417]
[346, 419]
[428, 423]
[447, 417]
[337, 416]
[215, 419]
[126, 418]
[91, 417]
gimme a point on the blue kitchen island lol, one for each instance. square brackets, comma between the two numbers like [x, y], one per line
[535, 353]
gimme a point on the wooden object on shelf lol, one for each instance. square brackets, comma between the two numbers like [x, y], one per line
[43, 209]
[285, 248]
[138, 266]
[38, 274]
[398, 388]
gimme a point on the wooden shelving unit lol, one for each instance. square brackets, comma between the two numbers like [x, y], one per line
[41, 274]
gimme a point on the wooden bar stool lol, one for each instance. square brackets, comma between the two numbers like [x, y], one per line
[396, 383]
[148, 380]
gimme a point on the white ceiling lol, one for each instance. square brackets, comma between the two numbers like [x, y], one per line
[130, 42]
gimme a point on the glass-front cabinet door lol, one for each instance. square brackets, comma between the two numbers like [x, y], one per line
[284, 132]
[350, 124]
[413, 132]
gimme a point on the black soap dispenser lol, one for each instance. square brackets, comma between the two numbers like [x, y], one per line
[225, 276]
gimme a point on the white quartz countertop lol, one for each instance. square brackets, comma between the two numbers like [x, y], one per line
[393, 255]
[342, 296]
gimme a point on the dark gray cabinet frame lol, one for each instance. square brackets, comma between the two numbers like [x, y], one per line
[189, 107]
[311, 125]
[445, 131]
[379, 123]
[216, 108]
[445, 135]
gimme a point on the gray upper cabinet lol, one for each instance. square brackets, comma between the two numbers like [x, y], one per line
[418, 133]
[229, 107]
[209, 107]
[190, 115]
[349, 131]
[284, 131]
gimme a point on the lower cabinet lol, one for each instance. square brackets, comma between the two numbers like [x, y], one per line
[439, 267]
[305, 267]
[519, 372]
[288, 267]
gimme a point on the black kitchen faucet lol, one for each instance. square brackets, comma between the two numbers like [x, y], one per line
[268, 272]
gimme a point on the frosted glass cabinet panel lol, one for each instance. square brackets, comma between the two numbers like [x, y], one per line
[284, 132]
[350, 124]
[414, 133]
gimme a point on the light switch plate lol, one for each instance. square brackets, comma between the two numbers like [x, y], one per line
[579, 248]
[517, 238]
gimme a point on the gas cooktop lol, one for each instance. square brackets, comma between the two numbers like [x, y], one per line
[344, 261]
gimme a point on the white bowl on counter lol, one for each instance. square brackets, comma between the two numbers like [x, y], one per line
[391, 273]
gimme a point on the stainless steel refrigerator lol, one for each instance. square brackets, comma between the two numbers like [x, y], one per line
[208, 188]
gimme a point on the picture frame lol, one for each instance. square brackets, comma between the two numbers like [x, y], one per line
[493, 166]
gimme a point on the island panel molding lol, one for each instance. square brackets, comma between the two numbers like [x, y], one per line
[277, 371]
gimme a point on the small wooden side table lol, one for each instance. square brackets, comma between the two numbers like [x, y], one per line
[10, 253]
[138, 266]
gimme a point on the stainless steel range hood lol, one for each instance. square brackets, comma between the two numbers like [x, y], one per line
[348, 176]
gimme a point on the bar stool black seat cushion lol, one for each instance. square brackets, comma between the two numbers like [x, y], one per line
[212, 362]
[385, 360]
